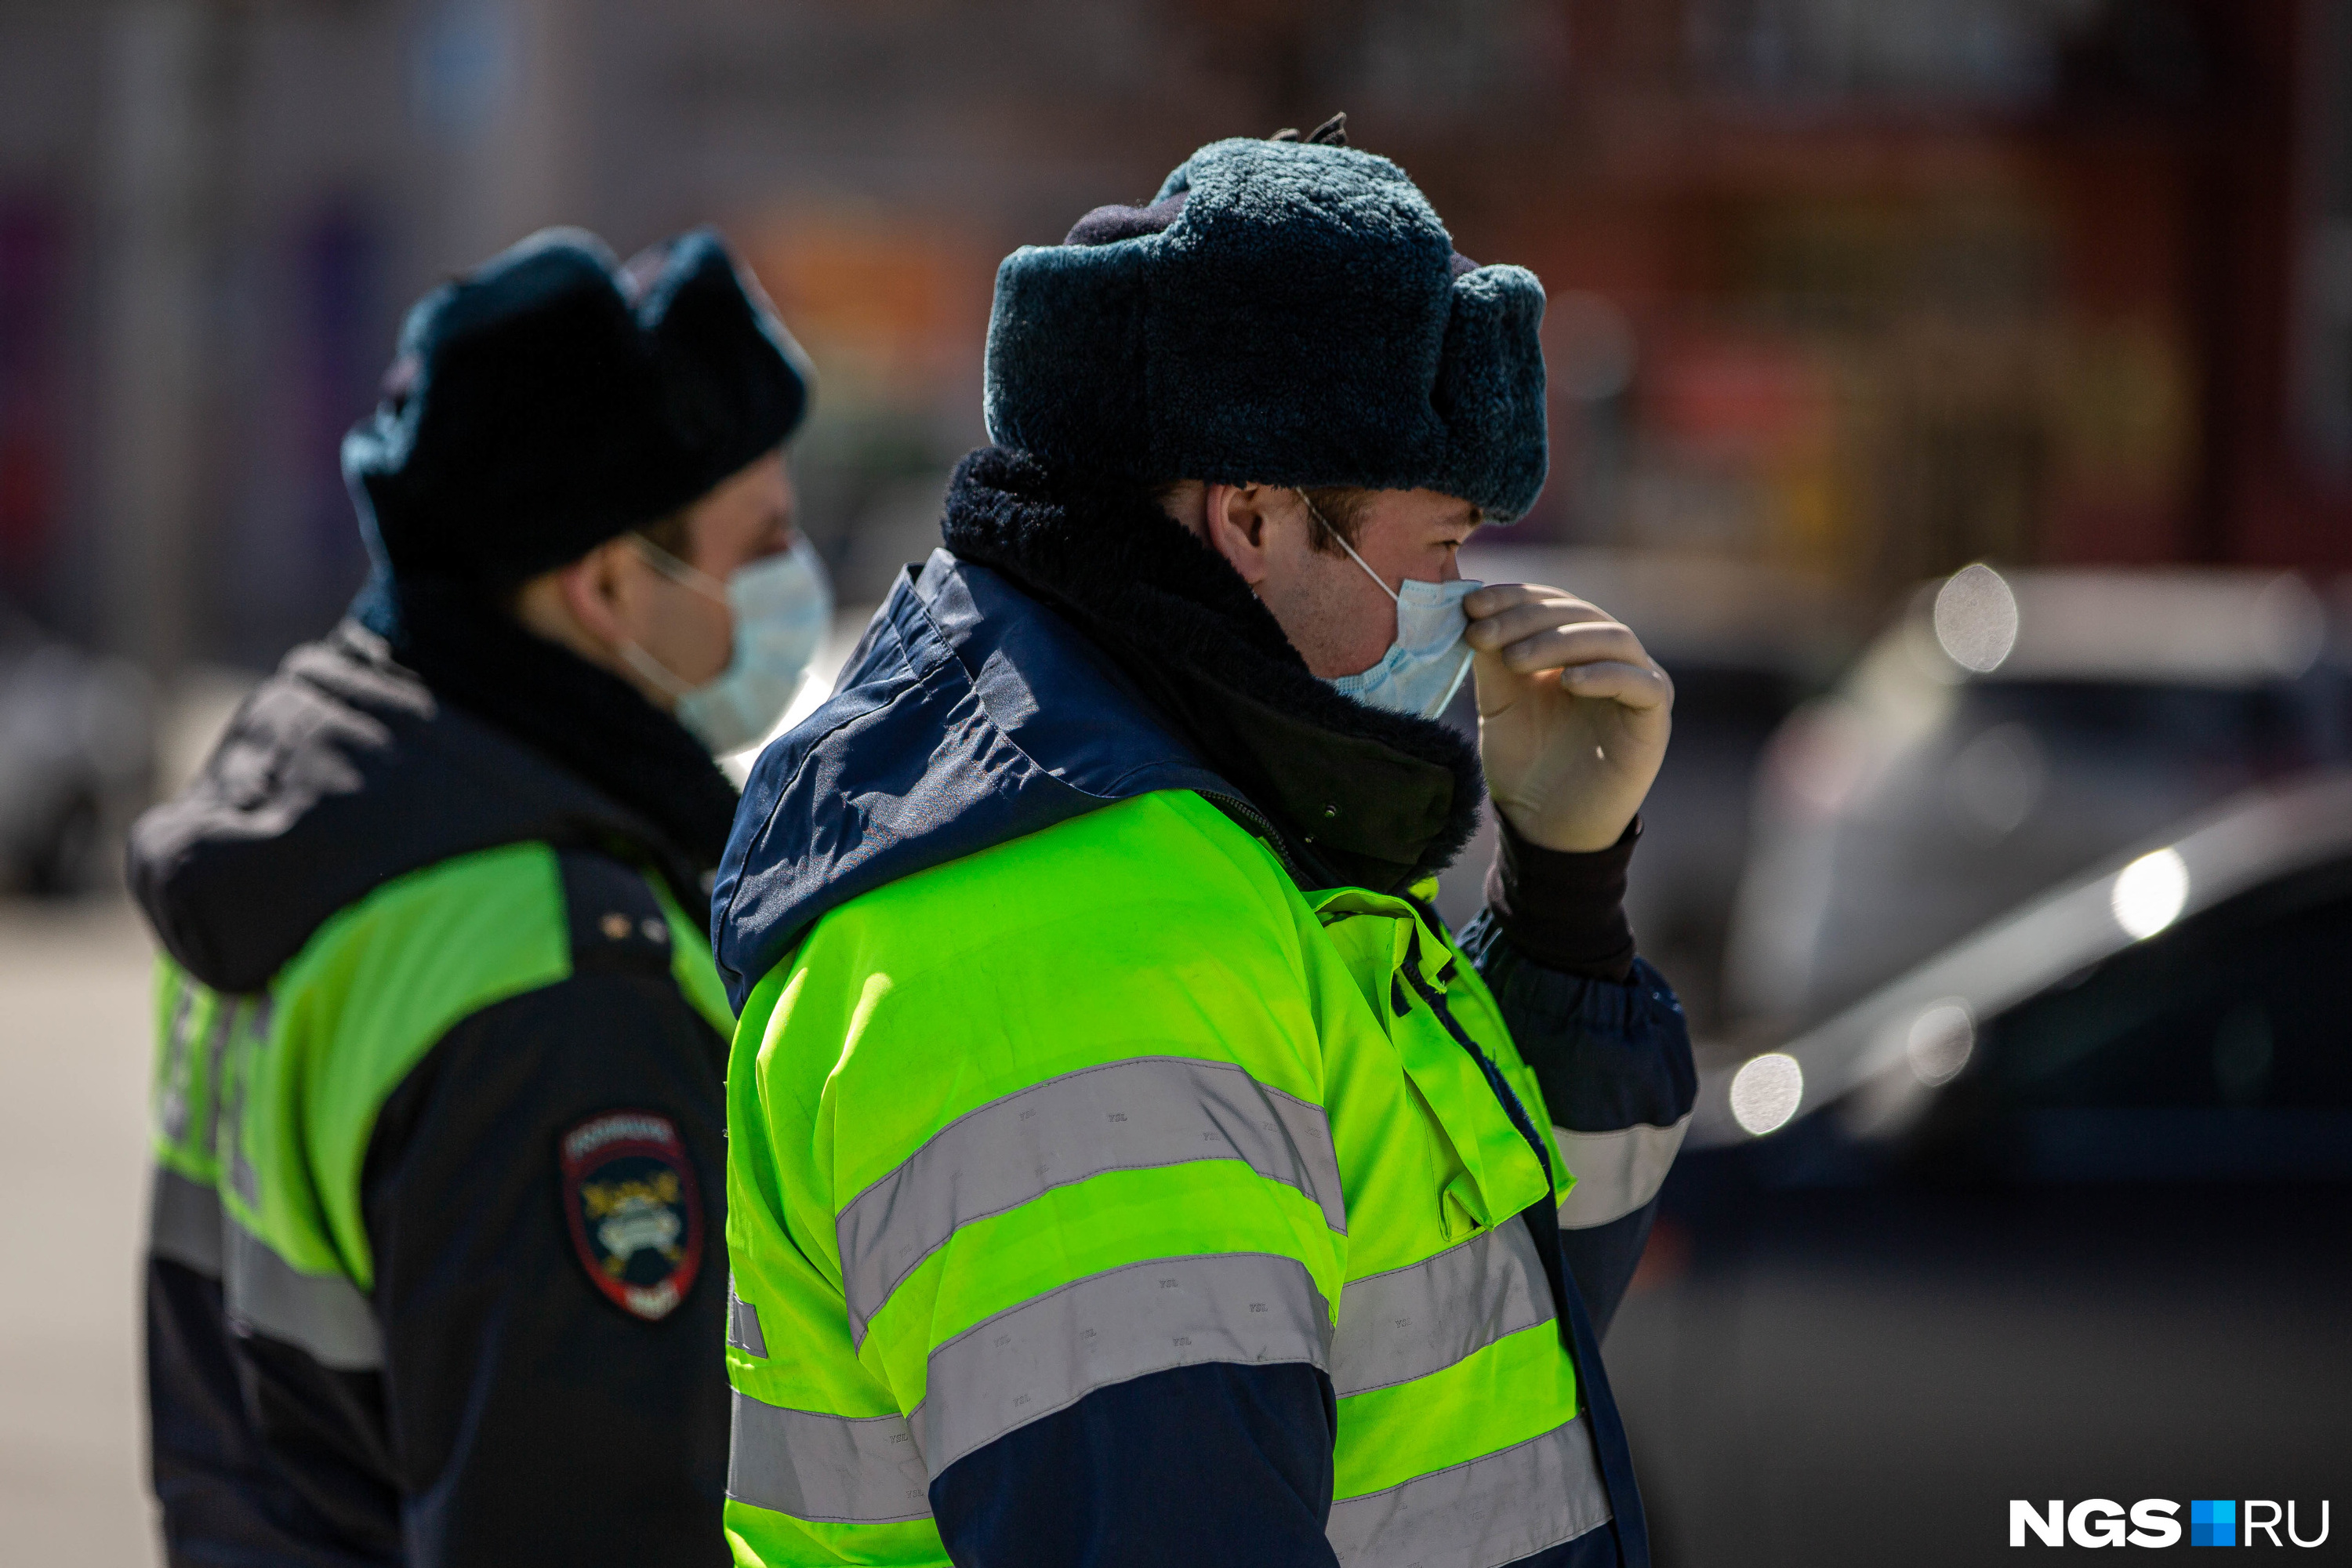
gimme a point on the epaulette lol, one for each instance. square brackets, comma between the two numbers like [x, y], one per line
[616, 924]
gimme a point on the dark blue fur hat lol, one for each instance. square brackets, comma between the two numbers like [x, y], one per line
[551, 399]
[1285, 312]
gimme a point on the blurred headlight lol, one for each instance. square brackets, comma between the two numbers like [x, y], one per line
[2149, 893]
[1765, 1091]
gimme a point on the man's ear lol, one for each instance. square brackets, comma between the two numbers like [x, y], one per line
[593, 591]
[1235, 522]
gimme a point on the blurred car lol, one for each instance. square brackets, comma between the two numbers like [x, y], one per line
[75, 755]
[1744, 643]
[2057, 1213]
[2005, 733]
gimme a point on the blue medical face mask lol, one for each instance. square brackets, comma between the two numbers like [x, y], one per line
[782, 606]
[1427, 663]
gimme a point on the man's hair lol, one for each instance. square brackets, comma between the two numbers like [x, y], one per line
[1341, 506]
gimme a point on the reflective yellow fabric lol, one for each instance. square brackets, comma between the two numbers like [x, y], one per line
[1107, 1098]
[264, 1104]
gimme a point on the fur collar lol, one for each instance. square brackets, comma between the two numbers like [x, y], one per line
[1361, 796]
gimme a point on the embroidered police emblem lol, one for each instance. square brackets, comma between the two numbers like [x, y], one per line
[636, 1219]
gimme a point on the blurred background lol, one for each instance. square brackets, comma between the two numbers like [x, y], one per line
[1956, 394]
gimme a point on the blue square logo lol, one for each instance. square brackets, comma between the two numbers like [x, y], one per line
[2213, 1523]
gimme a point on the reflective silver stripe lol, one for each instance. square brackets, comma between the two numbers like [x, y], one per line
[171, 1082]
[743, 1324]
[1412, 1321]
[1123, 1116]
[229, 1115]
[1494, 1510]
[184, 1223]
[1616, 1172]
[322, 1313]
[1048, 1353]
[836, 1469]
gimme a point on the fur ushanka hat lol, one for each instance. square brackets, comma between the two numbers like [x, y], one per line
[1285, 312]
[553, 399]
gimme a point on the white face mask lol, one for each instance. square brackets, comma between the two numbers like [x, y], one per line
[782, 606]
[1427, 663]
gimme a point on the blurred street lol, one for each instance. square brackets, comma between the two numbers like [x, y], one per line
[73, 1068]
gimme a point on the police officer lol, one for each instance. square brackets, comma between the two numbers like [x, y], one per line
[437, 1271]
[1126, 1165]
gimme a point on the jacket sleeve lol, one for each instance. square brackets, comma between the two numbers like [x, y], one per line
[533, 1415]
[1605, 1038]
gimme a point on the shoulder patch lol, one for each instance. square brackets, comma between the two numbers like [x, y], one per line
[636, 1216]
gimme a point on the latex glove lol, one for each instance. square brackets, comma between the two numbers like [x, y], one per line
[1573, 714]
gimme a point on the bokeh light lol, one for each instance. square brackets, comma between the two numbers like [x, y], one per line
[1939, 1042]
[1765, 1092]
[1976, 618]
[2149, 893]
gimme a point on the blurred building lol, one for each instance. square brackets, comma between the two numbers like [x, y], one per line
[1863, 292]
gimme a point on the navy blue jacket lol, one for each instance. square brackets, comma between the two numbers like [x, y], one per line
[516, 1414]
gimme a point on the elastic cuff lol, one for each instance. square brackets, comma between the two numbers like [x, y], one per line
[1565, 910]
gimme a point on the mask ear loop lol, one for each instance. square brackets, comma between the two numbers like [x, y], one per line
[679, 572]
[686, 576]
[655, 670]
[1317, 513]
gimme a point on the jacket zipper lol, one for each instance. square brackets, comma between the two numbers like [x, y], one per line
[1541, 1218]
[1502, 1091]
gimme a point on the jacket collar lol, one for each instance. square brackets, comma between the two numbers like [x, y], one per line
[1361, 796]
[342, 771]
[589, 721]
[981, 707]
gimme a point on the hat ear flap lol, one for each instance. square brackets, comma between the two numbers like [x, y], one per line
[699, 289]
[735, 382]
[1066, 368]
[1490, 390]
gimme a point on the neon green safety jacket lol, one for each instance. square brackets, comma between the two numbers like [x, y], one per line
[1098, 1107]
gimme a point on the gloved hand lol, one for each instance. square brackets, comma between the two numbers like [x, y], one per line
[1573, 714]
